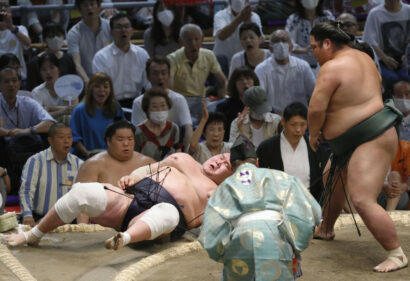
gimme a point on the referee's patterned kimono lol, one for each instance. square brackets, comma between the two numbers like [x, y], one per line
[260, 249]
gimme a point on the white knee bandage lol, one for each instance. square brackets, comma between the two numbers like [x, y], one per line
[88, 198]
[161, 218]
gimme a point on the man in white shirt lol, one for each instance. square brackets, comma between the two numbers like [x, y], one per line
[285, 78]
[226, 30]
[13, 38]
[158, 73]
[88, 36]
[387, 30]
[123, 62]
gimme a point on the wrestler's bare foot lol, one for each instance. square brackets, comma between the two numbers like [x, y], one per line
[321, 234]
[115, 243]
[392, 263]
[21, 239]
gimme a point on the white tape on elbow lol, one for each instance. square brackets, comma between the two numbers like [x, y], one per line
[88, 198]
[161, 218]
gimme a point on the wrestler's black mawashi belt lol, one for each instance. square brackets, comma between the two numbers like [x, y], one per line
[148, 193]
[367, 130]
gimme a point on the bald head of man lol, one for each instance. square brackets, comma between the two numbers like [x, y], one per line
[349, 22]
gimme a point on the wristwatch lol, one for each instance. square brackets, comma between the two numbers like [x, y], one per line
[16, 30]
[4, 174]
[32, 129]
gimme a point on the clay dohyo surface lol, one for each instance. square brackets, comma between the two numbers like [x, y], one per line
[81, 256]
[348, 257]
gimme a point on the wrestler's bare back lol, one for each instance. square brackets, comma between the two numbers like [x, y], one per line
[352, 80]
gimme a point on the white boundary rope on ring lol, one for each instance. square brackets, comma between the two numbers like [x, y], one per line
[12, 264]
[10, 261]
[131, 272]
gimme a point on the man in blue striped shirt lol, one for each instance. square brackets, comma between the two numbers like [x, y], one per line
[48, 175]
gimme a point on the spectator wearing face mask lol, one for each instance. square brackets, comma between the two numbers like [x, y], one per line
[299, 24]
[162, 38]
[53, 35]
[285, 78]
[255, 122]
[157, 137]
[401, 95]
[226, 30]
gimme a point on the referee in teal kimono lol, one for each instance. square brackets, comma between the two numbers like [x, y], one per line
[258, 221]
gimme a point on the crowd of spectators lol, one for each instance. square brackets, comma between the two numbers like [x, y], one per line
[262, 87]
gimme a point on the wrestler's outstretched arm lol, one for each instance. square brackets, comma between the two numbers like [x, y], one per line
[50, 221]
[135, 176]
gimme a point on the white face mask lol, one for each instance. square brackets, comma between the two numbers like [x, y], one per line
[158, 117]
[402, 104]
[280, 50]
[55, 43]
[237, 5]
[310, 4]
[257, 116]
[166, 17]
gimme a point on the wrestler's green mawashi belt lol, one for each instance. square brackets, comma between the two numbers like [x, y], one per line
[367, 130]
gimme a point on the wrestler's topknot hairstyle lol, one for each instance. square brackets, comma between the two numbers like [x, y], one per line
[333, 31]
[114, 126]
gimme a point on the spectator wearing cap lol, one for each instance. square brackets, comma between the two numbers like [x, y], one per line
[285, 78]
[290, 152]
[255, 122]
